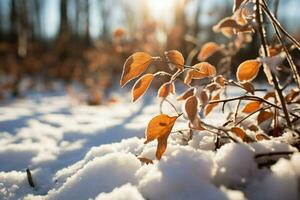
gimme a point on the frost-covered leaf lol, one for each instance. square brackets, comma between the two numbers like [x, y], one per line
[260, 136]
[275, 50]
[134, 66]
[241, 133]
[141, 85]
[200, 71]
[166, 89]
[208, 50]
[248, 70]
[269, 95]
[209, 107]
[263, 116]
[212, 87]
[203, 97]
[251, 107]
[292, 95]
[186, 94]
[230, 23]
[159, 126]
[191, 107]
[175, 58]
[161, 146]
[220, 80]
[248, 87]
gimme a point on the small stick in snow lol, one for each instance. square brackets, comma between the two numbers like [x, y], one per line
[29, 178]
[274, 154]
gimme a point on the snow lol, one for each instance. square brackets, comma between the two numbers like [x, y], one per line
[282, 183]
[75, 151]
[186, 170]
[122, 193]
[235, 164]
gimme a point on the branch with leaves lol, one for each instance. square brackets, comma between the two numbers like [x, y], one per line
[204, 98]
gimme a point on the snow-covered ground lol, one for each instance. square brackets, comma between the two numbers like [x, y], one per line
[84, 152]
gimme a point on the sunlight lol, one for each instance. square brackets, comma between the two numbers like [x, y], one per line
[161, 11]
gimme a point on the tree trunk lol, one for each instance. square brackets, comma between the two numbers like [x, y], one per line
[23, 30]
[13, 21]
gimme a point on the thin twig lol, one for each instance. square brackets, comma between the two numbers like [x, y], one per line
[29, 178]
[277, 23]
[274, 80]
[225, 131]
[288, 56]
[273, 154]
[237, 109]
[264, 108]
[252, 98]
[276, 3]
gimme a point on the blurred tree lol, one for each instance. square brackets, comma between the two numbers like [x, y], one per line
[13, 21]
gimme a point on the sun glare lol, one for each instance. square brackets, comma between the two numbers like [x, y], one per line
[161, 11]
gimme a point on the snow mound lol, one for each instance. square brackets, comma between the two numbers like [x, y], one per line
[100, 174]
[124, 192]
[186, 170]
[235, 164]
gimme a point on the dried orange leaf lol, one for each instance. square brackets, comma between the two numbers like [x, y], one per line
[269, 95]
[191, 108]
[241, 133]
[273, 51]
[134, 66]
[253, 127]
[292, 95]
[141, 86]
[193, 74]
[175, 58]
[200, 71]
[161, 146]
[188, 78]
[209, 107]
[166, 89]
[229, 22]
[248, 70]
[238, 132]
[212, 87]
[145, 160]
[228, 32]
[263, 116]
[186, 94]
[251, 107]
[204, 68]
[159, 126]
[203, 97]
[241, 16]
[220, 80]
[248, 87]
[261, 136]
[208, 50]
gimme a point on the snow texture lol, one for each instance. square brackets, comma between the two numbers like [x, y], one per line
[84, 152]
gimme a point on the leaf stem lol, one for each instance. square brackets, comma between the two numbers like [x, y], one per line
[171, 104]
